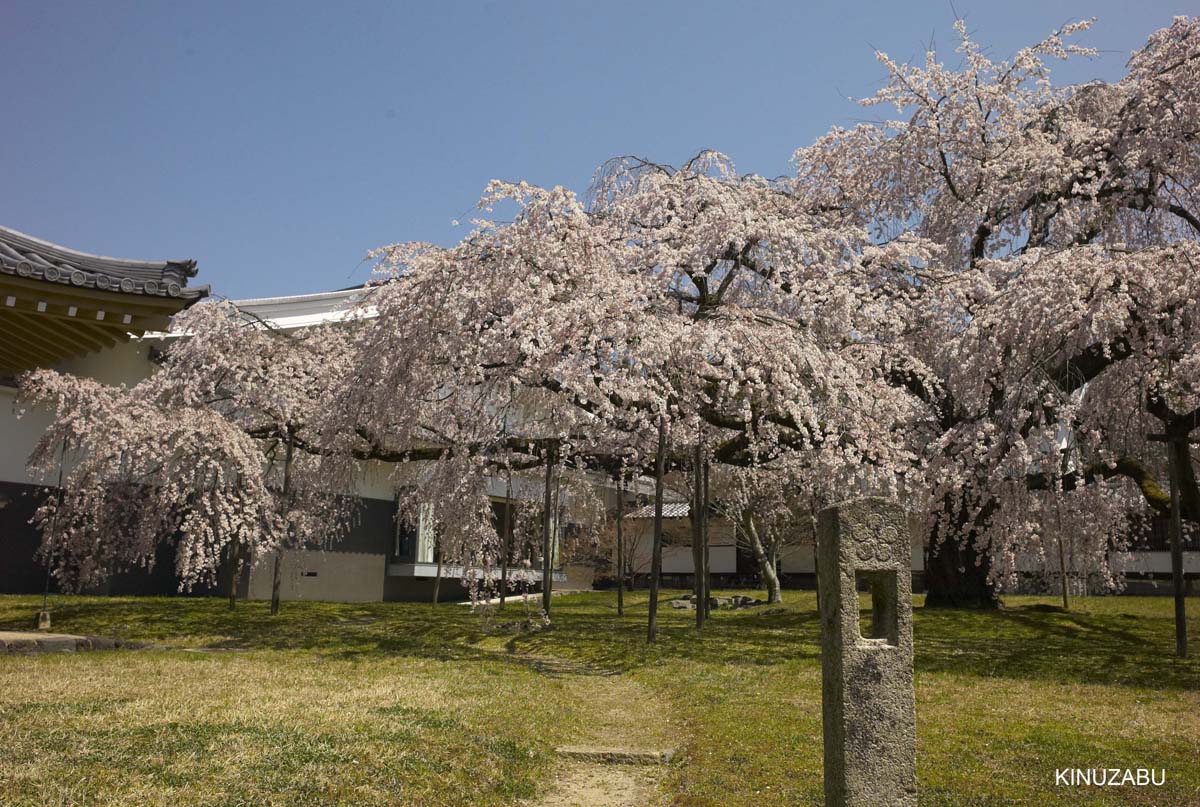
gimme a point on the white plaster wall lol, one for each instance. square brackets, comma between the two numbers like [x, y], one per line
[126, 363]
[1160, 562]
[1138, 562]
[677, 555]
[678, 559]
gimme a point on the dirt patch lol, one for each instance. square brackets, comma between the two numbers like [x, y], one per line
[592, 784]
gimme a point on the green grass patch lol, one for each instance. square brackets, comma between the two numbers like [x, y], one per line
[405, 704]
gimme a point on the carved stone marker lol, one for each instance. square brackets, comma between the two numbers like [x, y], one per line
[867, 674]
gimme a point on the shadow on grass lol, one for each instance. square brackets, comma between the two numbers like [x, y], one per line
[446, 632]
[1126, 641]
[587, 630]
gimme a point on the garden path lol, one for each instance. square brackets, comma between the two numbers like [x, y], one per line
[618, 760]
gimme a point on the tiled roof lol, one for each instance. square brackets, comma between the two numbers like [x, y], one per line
[28, 257]
[670, 510]
[58, 303]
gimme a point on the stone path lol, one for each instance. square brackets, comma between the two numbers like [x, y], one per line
[623, 754]
[28, 641]
[15, 641]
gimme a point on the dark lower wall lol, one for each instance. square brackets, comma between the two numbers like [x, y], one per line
[22, 573]
[420, 589]
[372, 529]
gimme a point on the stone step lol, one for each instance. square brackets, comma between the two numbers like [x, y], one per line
[19, 641]
[616, 756]
[31, 642]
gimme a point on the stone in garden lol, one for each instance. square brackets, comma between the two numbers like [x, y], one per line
[867, 673]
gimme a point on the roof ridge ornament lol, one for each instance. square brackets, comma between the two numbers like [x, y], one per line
[58, 303]
[33, 258]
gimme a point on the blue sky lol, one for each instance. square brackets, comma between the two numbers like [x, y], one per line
[277, 143]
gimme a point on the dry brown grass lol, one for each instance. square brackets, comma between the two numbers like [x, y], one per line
[393, 704]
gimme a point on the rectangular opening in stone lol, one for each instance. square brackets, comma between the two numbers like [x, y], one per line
[880, 621]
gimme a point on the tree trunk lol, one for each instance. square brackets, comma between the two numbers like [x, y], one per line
[773, 561]
[1062, 558]
[816, 536]
[656, 554]
[1177, 454]
[954, 580]
[44, 614]
[437, 581]
[706, 579]
[620, 547]
[698, 593]
[766, 564]
[547, 543]
[233, 575]
[276, 581]
[277, 573]
[1062, 572]
[505, 536]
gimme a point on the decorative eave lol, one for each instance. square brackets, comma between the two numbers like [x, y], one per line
[58, 303]
[28, 257]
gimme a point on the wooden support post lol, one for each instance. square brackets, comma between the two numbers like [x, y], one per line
[656, 556]
[1175, 449]
[620, 545]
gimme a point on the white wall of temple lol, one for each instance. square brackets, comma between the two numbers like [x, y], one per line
[677, 547]
[1152, 562]
[376, 481]
[1138, 562]
[425, 535]
[18, 436]
[126, 363]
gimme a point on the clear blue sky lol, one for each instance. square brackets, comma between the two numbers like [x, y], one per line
[277, 143]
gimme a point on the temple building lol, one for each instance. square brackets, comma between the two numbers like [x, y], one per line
[107, 318]
[382, 557]
[60, 304]
[80, 313]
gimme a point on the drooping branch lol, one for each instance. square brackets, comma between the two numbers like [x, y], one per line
[1147, 482]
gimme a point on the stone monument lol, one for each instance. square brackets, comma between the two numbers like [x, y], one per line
[867, 671]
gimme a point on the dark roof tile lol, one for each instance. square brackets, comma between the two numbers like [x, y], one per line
[25, 256]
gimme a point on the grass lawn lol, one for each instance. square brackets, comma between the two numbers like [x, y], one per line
[404, 704]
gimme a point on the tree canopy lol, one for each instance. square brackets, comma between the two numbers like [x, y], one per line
[986, 306]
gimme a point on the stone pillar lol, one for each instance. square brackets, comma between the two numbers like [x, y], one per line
[867, 671]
